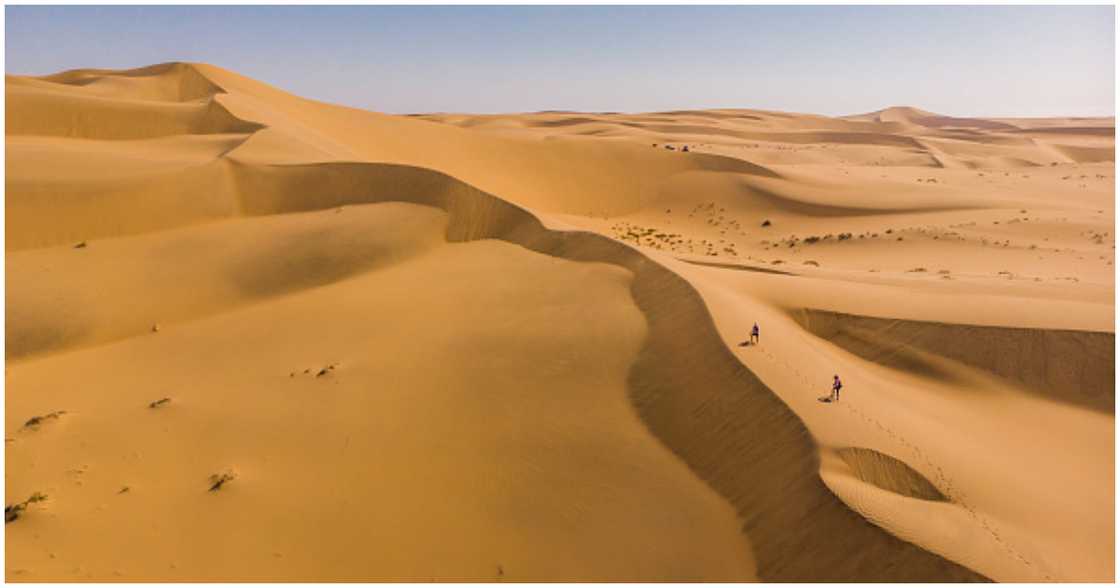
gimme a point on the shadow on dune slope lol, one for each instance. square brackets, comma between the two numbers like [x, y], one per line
[155, 101]
[888, 473]
[30, 112]
[694, 395]
[172, 81]
[1076, 367]
[738, 436]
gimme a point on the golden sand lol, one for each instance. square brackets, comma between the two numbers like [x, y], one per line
[273, 339]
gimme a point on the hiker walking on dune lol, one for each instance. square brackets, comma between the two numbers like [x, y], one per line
[754, 333]
[836, 386]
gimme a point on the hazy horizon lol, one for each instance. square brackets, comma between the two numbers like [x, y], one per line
[1003, 61]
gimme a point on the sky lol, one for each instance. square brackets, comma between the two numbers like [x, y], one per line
[833, 60]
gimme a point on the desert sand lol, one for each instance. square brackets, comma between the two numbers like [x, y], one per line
[252, 336]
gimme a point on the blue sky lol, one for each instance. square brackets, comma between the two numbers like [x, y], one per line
[964, 61]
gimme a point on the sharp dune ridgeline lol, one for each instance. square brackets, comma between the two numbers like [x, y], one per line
[256, 337]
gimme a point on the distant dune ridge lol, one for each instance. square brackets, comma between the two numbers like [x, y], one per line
[255, 337]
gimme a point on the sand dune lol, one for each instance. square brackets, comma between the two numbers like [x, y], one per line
[269, 338]
[1028, 357]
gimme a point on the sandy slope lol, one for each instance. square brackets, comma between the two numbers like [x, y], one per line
[507, 347]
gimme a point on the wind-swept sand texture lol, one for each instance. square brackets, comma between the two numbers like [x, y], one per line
[256, 337]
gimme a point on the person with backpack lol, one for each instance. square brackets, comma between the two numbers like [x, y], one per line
[836, 386]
